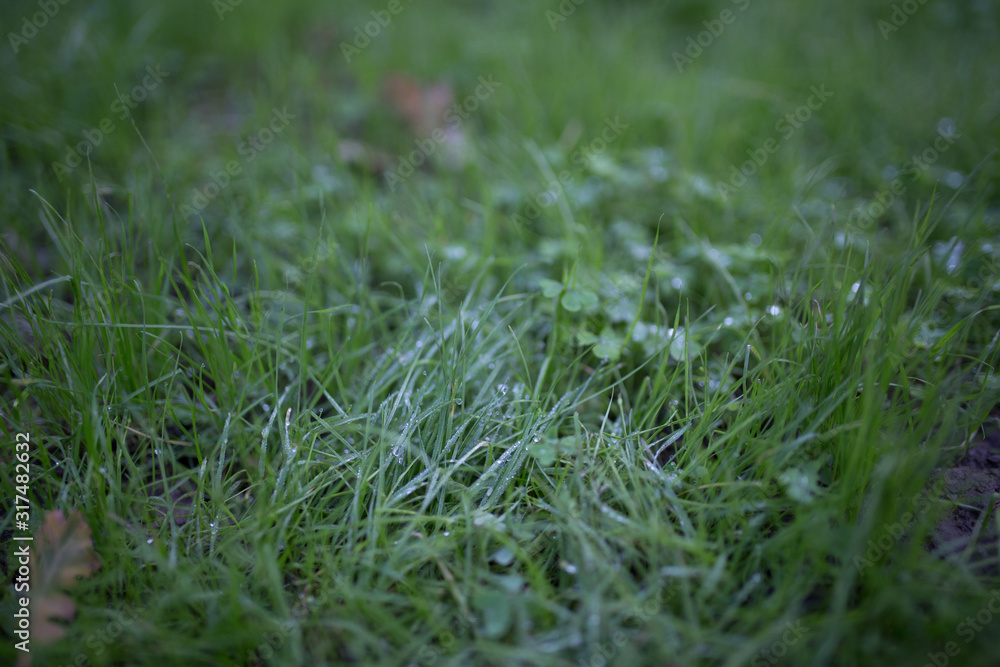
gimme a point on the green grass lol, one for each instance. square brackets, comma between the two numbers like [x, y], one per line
[325, 421]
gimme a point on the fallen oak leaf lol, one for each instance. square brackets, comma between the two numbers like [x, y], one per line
[52, 606]
[421, 107]
[431, 114]
[62, 552]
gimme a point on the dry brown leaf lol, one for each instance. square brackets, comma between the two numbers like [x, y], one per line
[62, 551]
[430, 111]
[421, 107]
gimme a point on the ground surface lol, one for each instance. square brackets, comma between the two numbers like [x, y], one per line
[500, 333]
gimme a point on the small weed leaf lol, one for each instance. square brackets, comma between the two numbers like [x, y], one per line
[576, 299]
[550, 288]
[494, 609]
[62, 552]
[543, 452]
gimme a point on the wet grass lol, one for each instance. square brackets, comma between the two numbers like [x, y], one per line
[571, 402]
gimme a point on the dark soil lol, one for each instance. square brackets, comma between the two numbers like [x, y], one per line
[972, 484]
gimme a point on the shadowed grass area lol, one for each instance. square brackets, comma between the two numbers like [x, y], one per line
[662, 357]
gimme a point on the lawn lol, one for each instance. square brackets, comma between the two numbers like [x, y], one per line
[557, 333]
